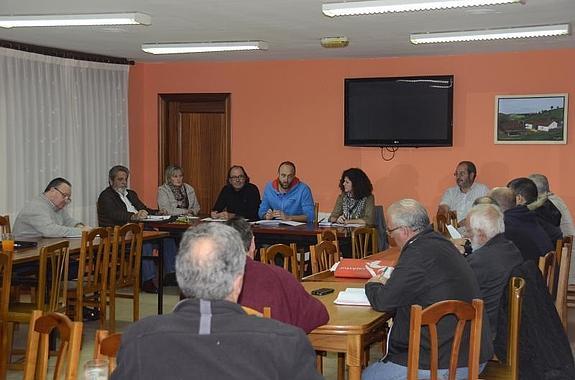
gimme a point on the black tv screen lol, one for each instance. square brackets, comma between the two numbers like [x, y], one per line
[399, 112]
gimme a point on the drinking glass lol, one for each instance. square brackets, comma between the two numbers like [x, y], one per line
[96, 369]
[7, 242]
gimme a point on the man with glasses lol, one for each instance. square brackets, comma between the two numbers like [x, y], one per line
[429, 270]
[46, 215]
[238, 197]
[460, 198]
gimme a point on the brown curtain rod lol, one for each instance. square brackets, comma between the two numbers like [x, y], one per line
[63, 53]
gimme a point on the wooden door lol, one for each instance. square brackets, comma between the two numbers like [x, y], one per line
[195, 134]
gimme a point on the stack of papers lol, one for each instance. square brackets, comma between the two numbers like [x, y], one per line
[330, 224]
[352, 296]
[156, 218]
[277, 221]
[213, 220]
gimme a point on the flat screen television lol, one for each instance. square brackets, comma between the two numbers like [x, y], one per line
[399, 112]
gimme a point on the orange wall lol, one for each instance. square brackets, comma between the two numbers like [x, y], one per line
[294, 110]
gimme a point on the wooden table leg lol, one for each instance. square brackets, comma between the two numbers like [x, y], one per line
[354, 356]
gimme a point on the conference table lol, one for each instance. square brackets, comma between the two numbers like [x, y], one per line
[350, 328]
[26, 255]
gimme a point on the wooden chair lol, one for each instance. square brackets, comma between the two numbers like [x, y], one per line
[442, 220]
[5, 224]
[125, 268]
[328, 234]
[93, 267]
[563, 279]
[5, 325]
[547, 265]
[509, 370]
[37, 351]
[288, 253]
[267, 313]
[106, 346]
[316, 212]
[52, 290]
[323, 255]
[430, 317]
[363, 242]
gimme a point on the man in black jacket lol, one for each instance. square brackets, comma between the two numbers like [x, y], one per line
[118, 205]
[493, 257]
[429, 270]
[209, 336]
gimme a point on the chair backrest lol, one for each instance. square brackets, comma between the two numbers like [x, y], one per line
[363, 242]
[5, 224]
[53, 272]
[563, 279]
[429, 317]
[328, 234]
[316, 212]
[37, 350]
[267, 312]
[442, 220]
[6, 277]
[94, 261]
[323, 255]
[516, 289]
[106, 346]
[547, 265]
[288, 253]
[381, 228]
[126, 256]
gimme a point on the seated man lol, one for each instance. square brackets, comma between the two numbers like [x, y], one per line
[493, 257]
[46, 215]
[238, 197]
[429, 270]
[208, 335]
[117, 205]
[526, 194]
[521, 226]
[460, 198]
[286, 198]
[567, 227]
[273, 286]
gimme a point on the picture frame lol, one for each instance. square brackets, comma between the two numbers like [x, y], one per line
[531, 119]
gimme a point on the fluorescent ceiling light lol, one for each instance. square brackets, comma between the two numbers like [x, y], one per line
[490, 34]
[384, 6]
[75, 20]
[203, 47]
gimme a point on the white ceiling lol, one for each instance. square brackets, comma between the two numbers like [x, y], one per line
[292, 28]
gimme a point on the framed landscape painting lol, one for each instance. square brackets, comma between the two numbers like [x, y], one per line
[531, 119]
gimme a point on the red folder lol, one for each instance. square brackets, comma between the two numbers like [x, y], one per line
[353, 268]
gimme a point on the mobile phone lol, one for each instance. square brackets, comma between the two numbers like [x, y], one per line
[321, 291]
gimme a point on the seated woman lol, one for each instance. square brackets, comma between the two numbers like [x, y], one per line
[356, 203]
[239, 197]
[175, 196]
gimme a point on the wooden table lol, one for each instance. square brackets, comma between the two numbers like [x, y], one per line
[350, 328]
[33, 254]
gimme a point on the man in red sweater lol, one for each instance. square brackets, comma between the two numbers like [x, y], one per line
[270, 285]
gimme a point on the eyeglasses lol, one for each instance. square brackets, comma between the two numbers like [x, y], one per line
[393, 229]
[67, 197]
[237, 177]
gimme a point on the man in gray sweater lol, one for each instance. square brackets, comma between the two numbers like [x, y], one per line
[46, 215]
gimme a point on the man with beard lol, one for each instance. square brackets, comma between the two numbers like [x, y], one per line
[286, 197]
[493, 256]
[460, 198]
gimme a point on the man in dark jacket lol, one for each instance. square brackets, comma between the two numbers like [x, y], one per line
[493, 257]
[429, 270]
[209, 336]
[521, 226]
[118, 205]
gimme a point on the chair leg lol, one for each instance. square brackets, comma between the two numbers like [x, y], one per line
[112, 321]
[136, 306]
[340, 366]
[319, 362]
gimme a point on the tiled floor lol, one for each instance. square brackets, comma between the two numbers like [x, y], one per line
[148, 306]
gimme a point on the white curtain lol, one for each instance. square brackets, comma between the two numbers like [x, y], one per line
[60, 118]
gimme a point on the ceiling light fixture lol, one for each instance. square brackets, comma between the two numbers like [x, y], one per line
[384, 6]
[75, 20]
[203, 47]
[490, 34]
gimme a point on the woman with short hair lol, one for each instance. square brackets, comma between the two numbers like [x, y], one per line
[175, 196]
